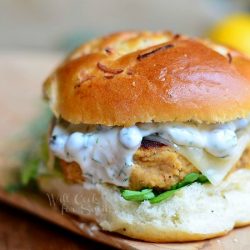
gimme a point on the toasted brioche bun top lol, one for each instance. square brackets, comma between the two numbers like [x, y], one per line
[131, 77]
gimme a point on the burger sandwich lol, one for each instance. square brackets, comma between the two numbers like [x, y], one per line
[151, 135]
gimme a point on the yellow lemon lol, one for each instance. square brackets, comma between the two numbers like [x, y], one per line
[233, 31]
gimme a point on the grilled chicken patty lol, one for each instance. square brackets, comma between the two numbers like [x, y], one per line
[155, 166]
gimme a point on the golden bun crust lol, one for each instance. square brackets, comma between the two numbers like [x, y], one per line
[132, 77]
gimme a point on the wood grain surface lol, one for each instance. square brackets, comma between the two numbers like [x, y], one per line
[21, 75]
[21, 231]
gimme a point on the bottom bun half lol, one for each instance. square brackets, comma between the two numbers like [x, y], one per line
[196, 212]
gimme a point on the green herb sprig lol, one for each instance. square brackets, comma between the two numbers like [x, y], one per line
[148, 194]
[145, 194]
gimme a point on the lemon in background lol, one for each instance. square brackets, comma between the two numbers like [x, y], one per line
[233, 31]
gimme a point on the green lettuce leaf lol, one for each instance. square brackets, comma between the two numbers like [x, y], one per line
[34, 155]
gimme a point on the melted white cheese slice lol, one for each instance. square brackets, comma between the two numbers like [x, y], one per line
[214, 168]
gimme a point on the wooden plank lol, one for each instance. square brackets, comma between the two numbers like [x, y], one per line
[21, 75]
[20, 230]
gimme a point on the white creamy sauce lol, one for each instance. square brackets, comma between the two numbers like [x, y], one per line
[105, 154]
